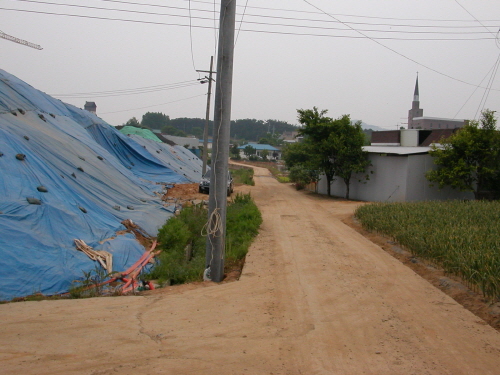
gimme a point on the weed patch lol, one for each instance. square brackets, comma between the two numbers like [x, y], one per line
[183, 247]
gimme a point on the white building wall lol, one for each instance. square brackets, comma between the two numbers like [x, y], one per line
[395, 178]
[419, 188]
[388, 181]
[409, 138]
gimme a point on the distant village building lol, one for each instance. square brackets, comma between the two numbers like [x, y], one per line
[91, 107]
[417, 120]
[290, 137]
[273, 152]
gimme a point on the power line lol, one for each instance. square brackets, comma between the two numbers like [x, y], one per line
[190, 16]
[124, 92]
[362, 34]
[154, 105]
[473, 17]
[487, 91]
[391, 49]
[191, 36]
[343, 15]
[475, 89]
[241, 22]
[253, 30]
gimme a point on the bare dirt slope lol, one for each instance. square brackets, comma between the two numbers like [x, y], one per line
[315, 297]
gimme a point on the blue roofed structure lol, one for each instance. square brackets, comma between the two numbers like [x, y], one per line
[273, 152]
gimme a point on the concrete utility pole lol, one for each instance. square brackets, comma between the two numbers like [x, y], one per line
[205, 132]
[216, 227]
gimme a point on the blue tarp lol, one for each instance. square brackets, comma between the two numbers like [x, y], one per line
[95, 178]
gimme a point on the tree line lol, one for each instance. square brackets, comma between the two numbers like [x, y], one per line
[249, 130]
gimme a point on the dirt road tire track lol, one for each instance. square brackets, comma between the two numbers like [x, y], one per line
[315, 297]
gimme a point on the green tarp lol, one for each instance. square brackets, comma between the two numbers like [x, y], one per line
[144, 133]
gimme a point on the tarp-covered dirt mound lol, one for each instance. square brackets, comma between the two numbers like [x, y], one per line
[65, 174]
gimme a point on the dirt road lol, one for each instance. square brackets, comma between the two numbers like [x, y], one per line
[315, 297]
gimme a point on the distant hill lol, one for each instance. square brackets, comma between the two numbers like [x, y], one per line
[371, 127]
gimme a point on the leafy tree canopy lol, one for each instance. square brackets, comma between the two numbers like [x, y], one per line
[331, 146]
[155, 120]
[469, 160]
[170, 130]
[133, 122]
[249, 150]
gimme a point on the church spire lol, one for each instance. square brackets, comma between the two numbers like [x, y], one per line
[415, 110]
[415, 94]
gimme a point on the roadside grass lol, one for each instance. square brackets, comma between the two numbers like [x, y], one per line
[280, 175]
[182, 258]
[242, 175]
[462, 237]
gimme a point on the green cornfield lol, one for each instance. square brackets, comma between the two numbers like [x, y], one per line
[462, 237]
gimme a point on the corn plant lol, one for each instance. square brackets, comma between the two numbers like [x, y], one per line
[462, 237]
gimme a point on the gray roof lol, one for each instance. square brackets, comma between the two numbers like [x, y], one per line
[437, 118]
[259, 147]
[396, 150]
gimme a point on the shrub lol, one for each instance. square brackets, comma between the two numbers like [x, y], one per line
[302, 176]
[174, 267]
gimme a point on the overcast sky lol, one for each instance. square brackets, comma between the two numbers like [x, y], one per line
[353, 57]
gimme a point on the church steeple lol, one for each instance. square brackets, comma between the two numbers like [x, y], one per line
[415, 94]
[415, 110]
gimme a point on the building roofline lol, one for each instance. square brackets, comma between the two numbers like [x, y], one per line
[396, 150]
[438, 118]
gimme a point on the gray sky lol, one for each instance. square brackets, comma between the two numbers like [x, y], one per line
[359, 57]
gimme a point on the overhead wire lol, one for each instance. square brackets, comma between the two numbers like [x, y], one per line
[124, 93]
[191, 37]
[215, 29]
[154, 105]
[389, 48]
[301, 11]
[241, 22]
[361, 32]
[249, 30]
[190, 16]
[473, 17]
[475, 89]
[487, 90]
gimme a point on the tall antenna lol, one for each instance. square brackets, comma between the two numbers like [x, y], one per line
[20, 41]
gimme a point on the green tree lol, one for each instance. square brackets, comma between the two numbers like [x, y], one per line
[333, 147]
[197, 132]
[249, 151]
[234, 151]
[297, 154]
[302, 176]
[170, 130]
[469, 160]
[133, 122]
[155, 120]
[264, 154]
